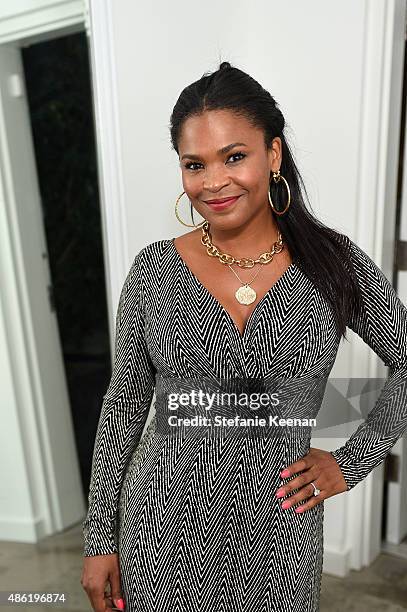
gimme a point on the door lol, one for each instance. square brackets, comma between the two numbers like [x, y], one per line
[53, 431]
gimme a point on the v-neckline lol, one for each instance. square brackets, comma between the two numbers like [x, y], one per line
[220, 306]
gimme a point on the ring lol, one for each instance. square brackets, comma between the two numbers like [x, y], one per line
[316, 490]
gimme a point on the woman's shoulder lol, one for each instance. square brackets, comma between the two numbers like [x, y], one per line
[148, 266]
[153, 256]
[362, 262]
[154, 250]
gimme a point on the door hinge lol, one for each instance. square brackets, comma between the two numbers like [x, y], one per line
[15, 85]
[392, 468]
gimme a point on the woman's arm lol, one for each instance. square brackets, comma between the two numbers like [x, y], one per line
[124, 412]
[382, 324]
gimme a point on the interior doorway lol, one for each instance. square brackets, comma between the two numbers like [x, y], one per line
[58, 89]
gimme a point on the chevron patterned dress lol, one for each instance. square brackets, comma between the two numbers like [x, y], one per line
[193, 515]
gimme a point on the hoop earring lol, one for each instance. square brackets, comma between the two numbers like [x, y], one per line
[179, 218]
[277, 177]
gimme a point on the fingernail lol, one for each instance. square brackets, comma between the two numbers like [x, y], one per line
[119, 604]
[285, 473]
[300, 509]
[280, 493]
[285, 505]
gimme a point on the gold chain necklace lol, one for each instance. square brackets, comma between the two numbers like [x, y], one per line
[244, 294]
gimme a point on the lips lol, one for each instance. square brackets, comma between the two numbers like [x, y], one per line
[222, 200]
[220, 205]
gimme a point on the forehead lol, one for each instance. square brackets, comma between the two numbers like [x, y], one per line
[215, 129]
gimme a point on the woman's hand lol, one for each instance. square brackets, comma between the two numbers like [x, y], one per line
[317, 466]
[97, 571]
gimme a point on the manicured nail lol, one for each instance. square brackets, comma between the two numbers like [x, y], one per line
[300, 509]
[280, 493]
[285, 504]
[119, 604]
[285, 473]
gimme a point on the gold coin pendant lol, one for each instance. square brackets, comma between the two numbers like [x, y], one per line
[245, 294]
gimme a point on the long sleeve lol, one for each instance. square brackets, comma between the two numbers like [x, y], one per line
[382, 324]
[124, 412]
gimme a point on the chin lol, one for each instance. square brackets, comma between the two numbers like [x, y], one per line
[226, 222]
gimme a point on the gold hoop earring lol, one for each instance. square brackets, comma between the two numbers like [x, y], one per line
[179, 218]
[277, 177]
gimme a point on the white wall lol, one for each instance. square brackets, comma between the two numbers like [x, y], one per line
[327, 65]
[309, 58]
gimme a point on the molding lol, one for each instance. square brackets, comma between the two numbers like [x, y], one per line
[336, 562]
[373, 195]
[361, 359]
[25, 530]
[39, 455]
[44, 17]
[20, 347]
[109, 152]
[370, 119]
[375, 213]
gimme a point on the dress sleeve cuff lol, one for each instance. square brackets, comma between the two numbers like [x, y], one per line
[347, 466]
[99, 538]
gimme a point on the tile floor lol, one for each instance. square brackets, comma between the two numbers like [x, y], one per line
[55, 565]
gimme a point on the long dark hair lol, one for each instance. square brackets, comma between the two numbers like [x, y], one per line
[322, 253]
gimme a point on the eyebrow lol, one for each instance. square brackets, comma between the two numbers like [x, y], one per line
[222, 150]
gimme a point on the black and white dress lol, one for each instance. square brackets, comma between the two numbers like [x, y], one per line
[194, 516]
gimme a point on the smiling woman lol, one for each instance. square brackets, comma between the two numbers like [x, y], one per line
[235, 104]
[195, 518]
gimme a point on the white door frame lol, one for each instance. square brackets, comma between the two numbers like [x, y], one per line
[384, 63]
[378, 155]
[28, 21]
[42, 438]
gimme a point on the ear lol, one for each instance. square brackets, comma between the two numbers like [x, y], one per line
[274, 154]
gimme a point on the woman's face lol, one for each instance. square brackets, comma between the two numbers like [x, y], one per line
[242, 170]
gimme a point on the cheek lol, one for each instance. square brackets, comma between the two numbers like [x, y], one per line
[192, 185]
[251, 179]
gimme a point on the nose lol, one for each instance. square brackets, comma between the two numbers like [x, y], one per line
[215, 179]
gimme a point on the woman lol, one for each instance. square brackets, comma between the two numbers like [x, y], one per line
[259, 291]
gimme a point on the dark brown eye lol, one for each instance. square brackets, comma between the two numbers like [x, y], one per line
[189, 164]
